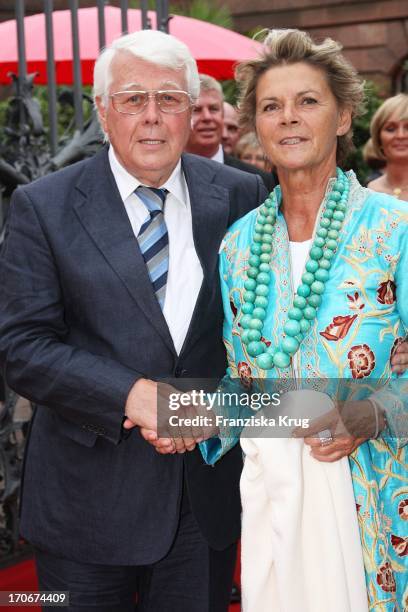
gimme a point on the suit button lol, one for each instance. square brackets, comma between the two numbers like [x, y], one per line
[179, 371]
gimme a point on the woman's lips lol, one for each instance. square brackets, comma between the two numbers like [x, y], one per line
[292, 140]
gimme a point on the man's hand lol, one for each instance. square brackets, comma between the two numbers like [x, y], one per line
[141, 410]
[141, 405]
[399, 360]
[185, 436]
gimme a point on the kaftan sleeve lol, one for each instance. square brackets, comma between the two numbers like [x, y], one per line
[230, 415]
[393, 398]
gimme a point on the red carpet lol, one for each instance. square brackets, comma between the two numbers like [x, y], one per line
[21, 577]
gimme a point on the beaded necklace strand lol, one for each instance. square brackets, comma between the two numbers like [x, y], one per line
[309, 293]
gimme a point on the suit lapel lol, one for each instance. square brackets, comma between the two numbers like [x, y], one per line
[210, 212]
[103, 215]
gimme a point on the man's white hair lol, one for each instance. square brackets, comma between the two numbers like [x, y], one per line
[208, 83]
[152, 46]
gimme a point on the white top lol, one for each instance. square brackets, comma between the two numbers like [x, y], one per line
[219, 155]
[298, 255]
[185, 274]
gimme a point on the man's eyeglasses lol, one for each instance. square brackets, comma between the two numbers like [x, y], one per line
[133, 102]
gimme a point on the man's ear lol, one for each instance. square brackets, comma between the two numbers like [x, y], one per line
[101, 112]
[344, 123]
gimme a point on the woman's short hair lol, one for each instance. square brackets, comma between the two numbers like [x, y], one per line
[282, 47]
[152, 46]
[397, 105]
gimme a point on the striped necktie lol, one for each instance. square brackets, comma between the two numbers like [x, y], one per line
[154, 240]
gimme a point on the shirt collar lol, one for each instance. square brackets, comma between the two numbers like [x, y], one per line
[127, 183]
[219, 156]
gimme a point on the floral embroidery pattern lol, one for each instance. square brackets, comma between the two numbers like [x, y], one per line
[386, 292]
[245, 374]
[353, 337]
[385, 578]
[361, 360]
[403, 509]
[362, 244]
[400, 545]
[356, 303]
[338, 329]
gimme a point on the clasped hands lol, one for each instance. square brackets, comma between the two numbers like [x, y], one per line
[141, 410]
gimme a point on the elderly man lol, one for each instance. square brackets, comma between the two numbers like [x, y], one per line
[109, 284]
[207, 130]
[231, 132]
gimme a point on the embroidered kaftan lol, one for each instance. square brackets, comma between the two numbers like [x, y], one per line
[362, 318]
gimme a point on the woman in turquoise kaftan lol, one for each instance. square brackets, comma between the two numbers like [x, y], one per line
[363, 315]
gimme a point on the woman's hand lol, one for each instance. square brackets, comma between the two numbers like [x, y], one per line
[335, 450]
[399, 360]
[345, 427]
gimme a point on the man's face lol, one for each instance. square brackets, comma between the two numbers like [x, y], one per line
[206, 132]
[230, 134]
[150, 143]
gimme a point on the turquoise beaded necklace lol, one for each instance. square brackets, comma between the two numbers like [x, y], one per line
[309, 293]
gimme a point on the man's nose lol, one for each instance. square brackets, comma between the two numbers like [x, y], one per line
[151, 112]
[205, 114]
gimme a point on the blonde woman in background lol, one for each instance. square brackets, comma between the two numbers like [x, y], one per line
[389, 134]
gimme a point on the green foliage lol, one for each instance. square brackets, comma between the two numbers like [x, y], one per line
[3, 112]
[361, 133]
[230, 90]
[151, 5]
[206, 10]
[65, 109]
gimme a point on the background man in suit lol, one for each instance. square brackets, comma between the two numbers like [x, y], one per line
[109, 283]
[231, 131]
[207, 130]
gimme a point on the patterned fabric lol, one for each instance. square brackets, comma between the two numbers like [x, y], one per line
[154, 240]
[363, 317]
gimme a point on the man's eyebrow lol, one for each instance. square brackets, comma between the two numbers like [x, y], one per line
[140, 87]
[130, 86]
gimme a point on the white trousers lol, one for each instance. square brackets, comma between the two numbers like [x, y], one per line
[300, 543]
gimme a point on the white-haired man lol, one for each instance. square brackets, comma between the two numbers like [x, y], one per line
[109, 284]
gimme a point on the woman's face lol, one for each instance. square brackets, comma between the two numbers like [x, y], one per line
[394, 138]
[254, 156]
[298, 118]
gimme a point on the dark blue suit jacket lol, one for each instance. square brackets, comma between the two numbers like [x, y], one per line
[79, 325]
